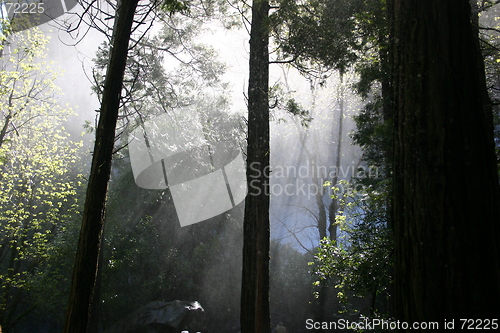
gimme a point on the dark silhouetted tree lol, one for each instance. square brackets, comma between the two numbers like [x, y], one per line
[86, 264]
[255, 317]
[446, 193]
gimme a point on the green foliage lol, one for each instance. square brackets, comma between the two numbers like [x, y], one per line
[313, 33]
[359, 263]
[284, 102]
[323, 35]
[152, 88]
[200, 10]
[295, 109]
[373, 134]
[174, 6]
[38, 187]
[192, 66]
[26, 82]
[372, 34]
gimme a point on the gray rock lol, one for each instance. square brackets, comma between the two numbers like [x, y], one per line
[163, 317]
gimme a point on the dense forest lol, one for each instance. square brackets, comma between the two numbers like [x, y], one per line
[351, 183]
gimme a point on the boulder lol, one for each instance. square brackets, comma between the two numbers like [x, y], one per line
[163, 317]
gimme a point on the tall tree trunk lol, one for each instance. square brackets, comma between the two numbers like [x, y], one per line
[255, 315]
[446, 194]
[86, 264]
[334, 205]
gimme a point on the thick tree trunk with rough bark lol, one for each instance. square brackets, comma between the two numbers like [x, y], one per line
[446, 195]
[85, 269]
[255, 315]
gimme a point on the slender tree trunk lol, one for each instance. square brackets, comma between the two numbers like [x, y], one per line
[446, 192]
[334, 205]
[5, 127]
[255, 315]
[85, 269]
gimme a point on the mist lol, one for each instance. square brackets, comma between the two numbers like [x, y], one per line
[147, 256]
[383, 146]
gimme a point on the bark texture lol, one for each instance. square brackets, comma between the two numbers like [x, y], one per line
[446, 195]
[255, 316]
[86, 264]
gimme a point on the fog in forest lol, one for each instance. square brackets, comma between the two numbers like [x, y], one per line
[328, 194]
